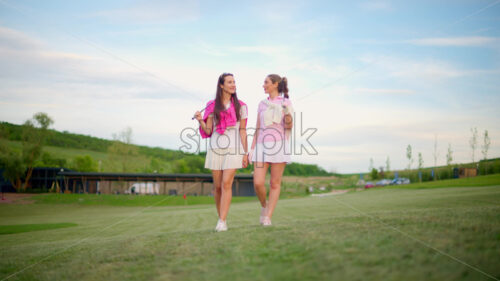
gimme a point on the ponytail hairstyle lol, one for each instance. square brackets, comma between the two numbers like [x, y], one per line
[219, 106]
[282, 83]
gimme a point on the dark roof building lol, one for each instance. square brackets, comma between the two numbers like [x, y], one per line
[146, 183]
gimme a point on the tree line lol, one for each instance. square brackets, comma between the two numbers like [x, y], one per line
[484, 166]
[121, 155]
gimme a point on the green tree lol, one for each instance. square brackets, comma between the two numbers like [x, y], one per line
[48, 160]
[449, 155]
[409, 156]
[155, 165]
[420, 163]
[374, 174]
[181, 166]
[122, 149]
[19, 166]
[14, 168]
[381, 173]
[84, 163]
[486, 145]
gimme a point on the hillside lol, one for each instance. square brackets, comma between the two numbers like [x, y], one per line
[88, 153]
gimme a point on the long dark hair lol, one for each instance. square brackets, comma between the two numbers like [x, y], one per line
[219, 106]
[282, 83]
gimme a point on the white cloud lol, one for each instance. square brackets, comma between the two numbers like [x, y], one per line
[87, 94]
[26, 59]
[355, 125]
[13, 39]
[457, 41]
[98, 96]
[427, 69]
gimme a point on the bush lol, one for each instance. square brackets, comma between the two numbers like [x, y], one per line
[84, 163]
[488, 167]
[296, 169]
[445, 173]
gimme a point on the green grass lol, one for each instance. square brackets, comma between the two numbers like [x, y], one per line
[379, 234]
[472, 181]
[127, 200]
[18, 228]
[63, 152]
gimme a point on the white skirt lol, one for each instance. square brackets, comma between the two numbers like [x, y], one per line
[224, 158]
[272, 152]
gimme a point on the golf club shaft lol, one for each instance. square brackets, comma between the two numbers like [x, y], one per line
[201, 111]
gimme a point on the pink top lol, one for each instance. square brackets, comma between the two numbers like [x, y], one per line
[276, 131]
[228, 117]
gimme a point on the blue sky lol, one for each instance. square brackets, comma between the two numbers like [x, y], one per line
[371, 76]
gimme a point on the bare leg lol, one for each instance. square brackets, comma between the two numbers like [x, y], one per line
[274, 193]
[227, 192]
[259, 179]
[217, 178]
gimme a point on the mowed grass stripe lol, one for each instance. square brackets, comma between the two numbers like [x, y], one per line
[128, 199]
[19, 228]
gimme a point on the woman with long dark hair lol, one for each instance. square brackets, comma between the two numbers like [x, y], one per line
[224, 121]
[271, 145]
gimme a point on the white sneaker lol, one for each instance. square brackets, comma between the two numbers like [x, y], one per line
[221, 226]
[263, 213]
[266, 221]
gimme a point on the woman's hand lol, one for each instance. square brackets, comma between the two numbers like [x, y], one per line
[286, 109]
[198, 116]
[288, 121]
[250, 155]
[245, 161]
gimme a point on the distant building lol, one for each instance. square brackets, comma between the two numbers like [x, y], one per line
[41, 178]
[142, 183]
[68, 181]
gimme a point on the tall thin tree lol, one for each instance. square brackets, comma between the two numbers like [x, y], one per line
[435, 154]
[420, 161]
[449, 155]
[473, 143]
[486, 145]
[409, 156]
[388, 164]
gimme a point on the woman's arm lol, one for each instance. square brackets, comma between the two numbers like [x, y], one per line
[244, 141]
[206, 127]
[243, 134]
[288, 121]
[256, 134]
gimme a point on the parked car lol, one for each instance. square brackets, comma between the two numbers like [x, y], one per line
[400, 181]
[383, 182]
[369, 184]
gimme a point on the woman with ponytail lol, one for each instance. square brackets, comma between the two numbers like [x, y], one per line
[224, 121]
[271, 143]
